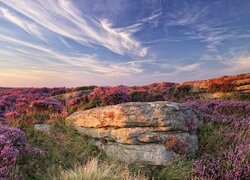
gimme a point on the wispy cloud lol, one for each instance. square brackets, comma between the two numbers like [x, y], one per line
[212, 34]
[64, 18]
[198, 23]
[138, 25]
[64, 62]
[187, 15]
[26, 25]
[237, 64]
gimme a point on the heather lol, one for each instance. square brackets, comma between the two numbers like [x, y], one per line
[226, 153]
[13, 145]
[224, 138]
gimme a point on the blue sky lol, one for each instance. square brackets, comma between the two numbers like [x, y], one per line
[131, 42]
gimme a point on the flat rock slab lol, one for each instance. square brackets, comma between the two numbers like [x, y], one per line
[135, 114]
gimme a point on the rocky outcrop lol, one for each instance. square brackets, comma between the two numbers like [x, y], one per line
[234, 83]
[150, 133]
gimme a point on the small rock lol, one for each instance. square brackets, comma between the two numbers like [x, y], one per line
[42, 127]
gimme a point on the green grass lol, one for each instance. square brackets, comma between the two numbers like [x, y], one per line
[178, 170]
[211, 139]
[238, 97]
[66, 152]
[63, 149]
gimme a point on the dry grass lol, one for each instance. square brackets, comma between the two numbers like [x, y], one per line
[95, 170]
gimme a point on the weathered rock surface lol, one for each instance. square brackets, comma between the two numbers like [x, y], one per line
[150, 133]
[135, 114]
[239, 83]
[137, 135]
[154, 154]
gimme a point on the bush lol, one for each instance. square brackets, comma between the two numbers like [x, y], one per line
[226, 138]
[12, 146]
[47, 104]
[234, 112]
[231, 165]
[140, 95]
[110, 95]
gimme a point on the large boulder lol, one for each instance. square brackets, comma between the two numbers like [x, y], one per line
[150, 133]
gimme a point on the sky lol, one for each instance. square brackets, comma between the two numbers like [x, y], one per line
[112, 42]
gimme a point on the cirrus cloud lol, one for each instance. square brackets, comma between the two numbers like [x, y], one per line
[64, 18]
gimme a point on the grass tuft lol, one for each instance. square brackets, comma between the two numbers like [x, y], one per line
[95, 170]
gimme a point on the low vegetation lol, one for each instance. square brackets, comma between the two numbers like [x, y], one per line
[95, 170]
[62, 153]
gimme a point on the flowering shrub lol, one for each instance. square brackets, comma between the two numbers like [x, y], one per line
[110, 95]
[152, 92]
[73, 101]
[57, 117]
[234, 119]
[230, 165]
[12, 114]
[16, 103]
[223, 111]
[35, 100]
[47, 104]
[12, 145]
[141, 95]
[3, 104]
